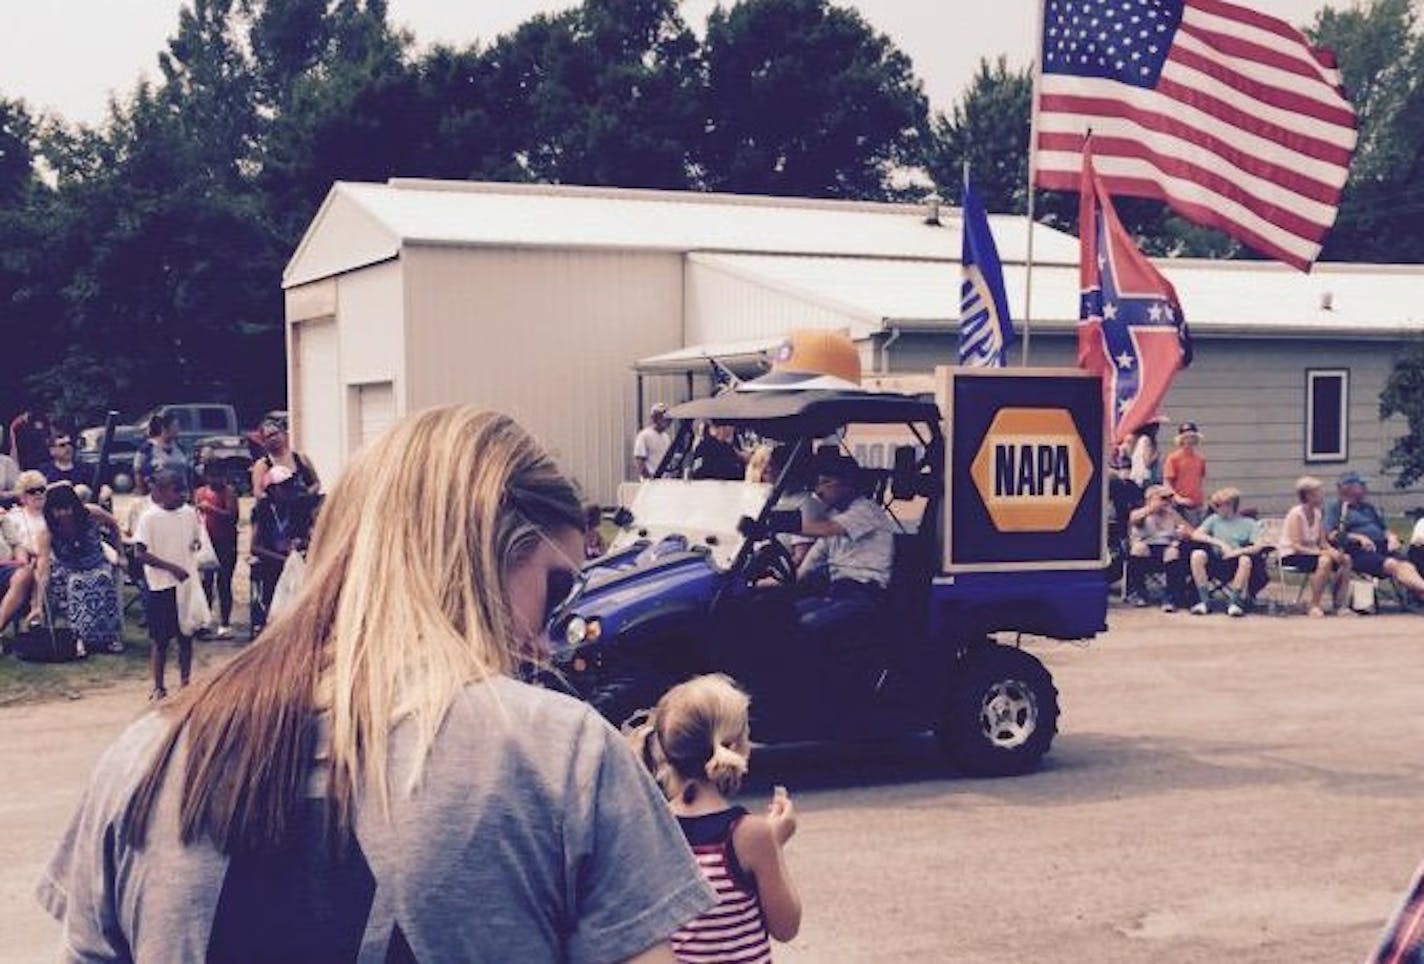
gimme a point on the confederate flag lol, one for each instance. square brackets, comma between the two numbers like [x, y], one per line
[1131, 329]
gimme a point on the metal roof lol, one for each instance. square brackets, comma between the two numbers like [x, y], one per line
[360, 224]
[1220, 297]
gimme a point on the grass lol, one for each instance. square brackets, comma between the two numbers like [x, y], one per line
[22, 682]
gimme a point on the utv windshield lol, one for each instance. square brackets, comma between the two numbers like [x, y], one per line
[677, 513]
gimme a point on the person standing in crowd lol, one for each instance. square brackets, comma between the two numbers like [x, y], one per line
[1357, 528]
[1303, 547]
[164, 543]
[716, 455]
[26, 521]
[1185, 471]
[1145, 468]
[160, 452]
[278, 451]
[29, 437]
[696, 743]
[216, 502]
[74, 575]
[651, 443]
[282, 522]
[378, 741]
[61, 466]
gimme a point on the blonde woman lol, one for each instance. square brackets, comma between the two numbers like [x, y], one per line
[368, 781]
[1303, 547]
[25, 523]
[1228, 549]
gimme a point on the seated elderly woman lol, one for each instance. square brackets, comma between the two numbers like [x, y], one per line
[17, 578]
[74, 573]
[1304, 548]
[1227, 548]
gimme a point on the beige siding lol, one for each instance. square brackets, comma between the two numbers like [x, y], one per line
[548, 336]
[372, 313]
[722, 307]
[1248, 396]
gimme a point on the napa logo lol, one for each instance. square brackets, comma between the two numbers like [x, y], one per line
[1032, 469]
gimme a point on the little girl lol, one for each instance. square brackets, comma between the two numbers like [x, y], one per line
[696, 743]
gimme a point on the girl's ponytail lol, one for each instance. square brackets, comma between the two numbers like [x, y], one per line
[725, 768]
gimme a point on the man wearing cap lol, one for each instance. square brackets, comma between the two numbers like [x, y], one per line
[1359, 529]
[1185, 472]
[652, 442]
[855, 547]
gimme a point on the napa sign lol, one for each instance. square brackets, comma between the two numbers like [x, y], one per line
[1032, 469]
[1025, 465]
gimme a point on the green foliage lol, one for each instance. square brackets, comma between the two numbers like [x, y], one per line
[805, 98]
[1404, 395]
[1381, 55]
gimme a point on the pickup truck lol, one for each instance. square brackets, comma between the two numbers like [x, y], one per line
[207, 431]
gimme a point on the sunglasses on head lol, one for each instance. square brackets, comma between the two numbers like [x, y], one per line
[36, 490]
[559, 586]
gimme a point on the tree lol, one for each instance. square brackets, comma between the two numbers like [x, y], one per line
[1404, 395]
[805, 98]
[1381, 57]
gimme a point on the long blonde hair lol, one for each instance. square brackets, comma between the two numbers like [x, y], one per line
[697, 733]
[405, 602]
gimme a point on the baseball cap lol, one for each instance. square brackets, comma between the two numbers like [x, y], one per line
[1352, 478]
[836, 465]
[1188, 428]
[659, 408]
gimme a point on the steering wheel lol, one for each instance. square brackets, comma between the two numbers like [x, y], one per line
[772, 558]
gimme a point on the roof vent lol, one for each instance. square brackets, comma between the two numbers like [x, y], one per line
[1327, 301]
[932, 204]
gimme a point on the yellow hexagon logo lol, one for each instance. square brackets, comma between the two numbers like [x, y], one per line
[1032, 469]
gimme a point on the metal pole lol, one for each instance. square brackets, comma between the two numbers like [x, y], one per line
[1036, 69]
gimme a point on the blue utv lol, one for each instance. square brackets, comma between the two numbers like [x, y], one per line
[683, 592]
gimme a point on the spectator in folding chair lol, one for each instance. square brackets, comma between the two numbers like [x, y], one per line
[1153, 546]
[1227, 549]
[1355, 526]
[74, 574]
[17, 580]
[1303, 548]
[1416, 545]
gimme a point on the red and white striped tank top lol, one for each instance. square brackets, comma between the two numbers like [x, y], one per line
[733, 932]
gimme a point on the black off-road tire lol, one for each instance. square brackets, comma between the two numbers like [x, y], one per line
[1002, 713]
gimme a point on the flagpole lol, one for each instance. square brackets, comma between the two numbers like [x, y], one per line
[1036, 69]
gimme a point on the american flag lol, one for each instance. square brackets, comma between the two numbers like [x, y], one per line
[1131, 329]
[1225, 113]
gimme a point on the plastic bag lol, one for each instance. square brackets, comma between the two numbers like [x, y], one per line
[205, 557]
[289, 584]
[193, 611]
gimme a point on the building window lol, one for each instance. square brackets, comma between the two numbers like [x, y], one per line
[1327, 415]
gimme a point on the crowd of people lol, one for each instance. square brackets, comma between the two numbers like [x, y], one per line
[1208, 547]
[65, 556]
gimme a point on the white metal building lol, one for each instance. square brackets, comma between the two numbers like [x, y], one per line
[572, 308]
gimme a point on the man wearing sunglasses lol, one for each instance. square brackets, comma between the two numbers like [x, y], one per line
[61, 466]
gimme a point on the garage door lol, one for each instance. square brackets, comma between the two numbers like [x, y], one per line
[317, 424]
[375, 410]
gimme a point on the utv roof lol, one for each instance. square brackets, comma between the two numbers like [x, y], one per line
[809, 412]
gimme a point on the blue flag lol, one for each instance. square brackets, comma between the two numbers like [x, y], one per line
[985, 329]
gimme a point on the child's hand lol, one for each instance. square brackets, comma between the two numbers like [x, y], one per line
[781, 814]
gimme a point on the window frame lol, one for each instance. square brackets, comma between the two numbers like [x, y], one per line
[1312, 375]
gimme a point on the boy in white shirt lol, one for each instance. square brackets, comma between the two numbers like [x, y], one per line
[164, 542]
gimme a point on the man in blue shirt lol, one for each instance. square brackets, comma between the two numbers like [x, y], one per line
[1354, 525]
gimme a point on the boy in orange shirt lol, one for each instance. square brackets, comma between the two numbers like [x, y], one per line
[1185, 472]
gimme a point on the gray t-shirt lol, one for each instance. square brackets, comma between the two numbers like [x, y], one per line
[535, 835]
[865, 553]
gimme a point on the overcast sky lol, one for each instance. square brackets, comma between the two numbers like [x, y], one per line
[69, 55]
